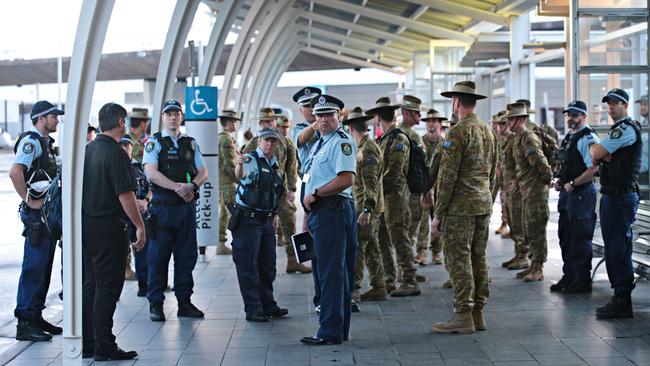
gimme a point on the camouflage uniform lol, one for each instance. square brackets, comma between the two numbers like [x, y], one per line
[395, 221]
[464, 203]
[227, 180]
[138, 148]
[433, 152]
[414, 198]
[533, 175]
[368, 194]
[514, 213]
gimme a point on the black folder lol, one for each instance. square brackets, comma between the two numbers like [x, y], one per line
[303, 246]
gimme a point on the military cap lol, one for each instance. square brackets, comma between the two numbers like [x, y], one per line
[643, 99]
[434, 115]
[411, 103]
[43, 108]
[356, 115]
[526, 102]
[576, 106]
[382, 103]
[283, 121]
[501, 117]
[172, 105]
[229, 114]
[325, 104]
[306, 94]
[466, 88]
[269, 132]
[139, 113]
[517, 110]
[617, 95]
[265, 114]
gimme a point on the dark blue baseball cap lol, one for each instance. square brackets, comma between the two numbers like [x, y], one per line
[577, 106]
[171, 105]
[126, 139]
[43, 108]
[617, 95]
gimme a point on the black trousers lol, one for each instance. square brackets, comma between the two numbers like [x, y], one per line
[105, 243]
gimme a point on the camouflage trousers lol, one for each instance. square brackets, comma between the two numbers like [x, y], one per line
[369, 254]
[515, 219]
[416, 216]
[536, 215]
[465, 245]
[393, 231]
[425, 239]
[286, 225]
[225, 198]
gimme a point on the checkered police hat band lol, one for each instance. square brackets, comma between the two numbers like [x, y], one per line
[576, 109]
[45, 112]
[617, 97]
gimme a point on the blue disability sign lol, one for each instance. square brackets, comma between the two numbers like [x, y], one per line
[201, 103]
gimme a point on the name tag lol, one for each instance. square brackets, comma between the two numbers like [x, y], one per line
[305, 178]
[265, 170]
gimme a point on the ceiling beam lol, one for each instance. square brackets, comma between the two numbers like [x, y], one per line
[418, 45]
[356, 41]
[425, 28]
[356, 53]
[455, 8]
[350, 60]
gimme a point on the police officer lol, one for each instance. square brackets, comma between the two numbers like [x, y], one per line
[227, 181]
[173, 163]
[143, 198]
[253, 226]
[577, 203]
[328, 177]
[34, 165]
[619, 157]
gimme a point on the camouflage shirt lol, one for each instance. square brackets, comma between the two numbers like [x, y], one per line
[467, 169]
[433, 156]
[138, 148]
[368, 192]
[395, 161]
[286, 155]
[532, 171]
[227, 148]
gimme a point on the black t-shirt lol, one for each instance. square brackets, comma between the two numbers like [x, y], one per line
[107, 174]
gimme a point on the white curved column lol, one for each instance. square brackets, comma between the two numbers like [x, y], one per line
[214, 48]
[274, 81]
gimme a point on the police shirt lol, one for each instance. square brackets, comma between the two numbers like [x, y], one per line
[251, 170]
[303, 150]
[619, 137]
[107, 174]
[583, 146]
[153, 148]
[334, 153]
[29, 149]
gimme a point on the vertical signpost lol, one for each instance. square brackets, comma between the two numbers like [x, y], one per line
[201, 123]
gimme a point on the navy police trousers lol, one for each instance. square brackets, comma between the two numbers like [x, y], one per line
[616, 218]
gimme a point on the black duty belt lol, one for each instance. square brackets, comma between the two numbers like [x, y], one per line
[336, 202]
[254, 214]
[617, 191]
[167, 203]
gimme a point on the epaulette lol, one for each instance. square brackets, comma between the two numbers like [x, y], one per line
[342, 134]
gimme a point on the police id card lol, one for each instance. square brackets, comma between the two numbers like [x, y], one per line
[303, 246]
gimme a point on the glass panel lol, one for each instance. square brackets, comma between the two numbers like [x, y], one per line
[594, 86]
[613, 40]
[612, 4]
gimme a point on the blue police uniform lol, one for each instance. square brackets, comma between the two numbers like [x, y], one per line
[333, 226]
[619, 201]
[577, 211]
[253, 245]
[179, 159]
[304, 149]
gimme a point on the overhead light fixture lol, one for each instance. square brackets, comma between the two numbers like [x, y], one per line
[492, 62]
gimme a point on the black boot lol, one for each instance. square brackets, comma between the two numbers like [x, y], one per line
[47, 326]
[619, 307]
[188, 309]
[117, 354]
[26, 330]
[142, 288]
[578, 288]
[156, 313]
[560, 285]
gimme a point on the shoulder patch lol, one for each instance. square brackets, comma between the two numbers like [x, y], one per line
[28, 147]
[399, 147]
[447, 144]
[370, 160]
[346, 148]
[615, 133]
[530, 151]
[150, 146]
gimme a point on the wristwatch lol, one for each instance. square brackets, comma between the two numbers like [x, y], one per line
[315, 194]
[366, 210]
[196, 186]
[572, 185]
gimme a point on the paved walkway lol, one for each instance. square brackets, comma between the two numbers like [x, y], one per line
[527, 325]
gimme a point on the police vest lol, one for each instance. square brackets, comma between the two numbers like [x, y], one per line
[571, 162]
[622, 171]
[45, 164]
[177, 164]
[264, 191]
[141, 181]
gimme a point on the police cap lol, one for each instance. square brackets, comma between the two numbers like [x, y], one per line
[43, 108]
[326, 104]
[306, 94]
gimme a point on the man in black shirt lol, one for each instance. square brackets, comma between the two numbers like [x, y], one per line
[108, 200]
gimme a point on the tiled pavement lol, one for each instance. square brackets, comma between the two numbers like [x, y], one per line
[527, 325]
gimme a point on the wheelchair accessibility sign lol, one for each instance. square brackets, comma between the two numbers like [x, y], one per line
[201, 103]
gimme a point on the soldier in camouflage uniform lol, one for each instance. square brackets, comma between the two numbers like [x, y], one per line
[544, 127]
[394, 223]
[432, 140]
[463, 207]
[500, 129]
[369, 203]
[227, 180]
[286, 155]
[533, 175]
[287, 208]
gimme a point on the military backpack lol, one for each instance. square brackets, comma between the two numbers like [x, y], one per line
[417, 178]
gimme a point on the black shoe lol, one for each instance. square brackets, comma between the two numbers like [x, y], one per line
[142, 288]
[26, 330]
[619, 307]
[257, 318]
[277, 313]
[47, 326]
[354, 307]
[88, 354]
[156, 313]
[117, 354]
[314, 341]
[188, 309]
[560, 285]
[576, 288]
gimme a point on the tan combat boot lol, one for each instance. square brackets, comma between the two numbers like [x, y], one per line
[460, 323]
[479, 321]
[502, 229]
[421, 257]
[356, 296]
[523, 273]
[536, 273]
[375, 294]
[435, 258]
[129, 275]
[406, 289]
[222, 249]
[447, 284]
[520, 262]
[507, 263]
[390, 287]
[293, 266]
